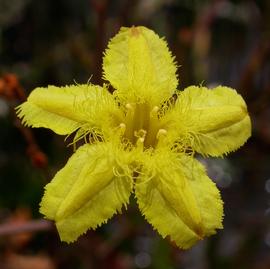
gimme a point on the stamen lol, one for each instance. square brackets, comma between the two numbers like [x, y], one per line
[129, 122]
[161, 133]
[129, 106]
[154, 110]
[122, 127]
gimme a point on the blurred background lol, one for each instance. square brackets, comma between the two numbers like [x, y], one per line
[62, 42]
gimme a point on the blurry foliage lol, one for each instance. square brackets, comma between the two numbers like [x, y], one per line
[59, 42]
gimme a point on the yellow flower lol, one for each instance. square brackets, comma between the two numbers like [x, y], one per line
[141, 139]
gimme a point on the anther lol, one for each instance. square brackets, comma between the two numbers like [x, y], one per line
[161, 133]
[154, 111]
[122, 127]
[129, 121]
[129, 106]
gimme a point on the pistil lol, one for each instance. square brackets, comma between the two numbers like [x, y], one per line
[142, 125]
[153, 127]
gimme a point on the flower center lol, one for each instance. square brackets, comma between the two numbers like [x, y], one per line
[142, 125]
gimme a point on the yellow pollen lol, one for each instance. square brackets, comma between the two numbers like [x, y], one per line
[129, 106]
[154, 111]
[161, 133]
[122, 126]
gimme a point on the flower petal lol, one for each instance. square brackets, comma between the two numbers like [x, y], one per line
[216, 120]
[65, 109]
[179, 200]
[86, 192]
[139, 65]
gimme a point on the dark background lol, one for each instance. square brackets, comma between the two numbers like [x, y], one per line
[58, 42]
